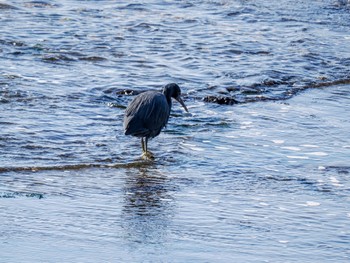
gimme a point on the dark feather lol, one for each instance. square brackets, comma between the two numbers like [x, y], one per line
[146, 115]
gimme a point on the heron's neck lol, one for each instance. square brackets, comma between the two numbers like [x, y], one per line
[168, 97]
[169, 102]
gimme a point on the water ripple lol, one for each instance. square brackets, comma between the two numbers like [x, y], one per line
[261, 160]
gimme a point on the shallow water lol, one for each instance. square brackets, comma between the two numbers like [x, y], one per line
[263, 180]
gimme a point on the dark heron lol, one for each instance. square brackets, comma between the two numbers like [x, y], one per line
[149, 112]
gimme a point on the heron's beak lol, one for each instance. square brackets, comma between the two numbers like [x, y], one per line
[182, 103]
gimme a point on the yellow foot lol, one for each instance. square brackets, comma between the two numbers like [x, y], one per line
[147, 156]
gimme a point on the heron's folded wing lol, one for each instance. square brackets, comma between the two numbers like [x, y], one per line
[147, 113]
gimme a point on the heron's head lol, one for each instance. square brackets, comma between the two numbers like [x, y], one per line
[173, 90]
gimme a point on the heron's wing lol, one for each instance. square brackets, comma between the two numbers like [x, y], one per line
[146, 115]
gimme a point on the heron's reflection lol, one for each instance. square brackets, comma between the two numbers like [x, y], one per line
[148, 205]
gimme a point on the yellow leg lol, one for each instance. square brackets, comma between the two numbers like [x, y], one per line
[145, 153]
[143, 145]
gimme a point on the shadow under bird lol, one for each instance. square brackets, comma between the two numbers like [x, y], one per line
[148, 113]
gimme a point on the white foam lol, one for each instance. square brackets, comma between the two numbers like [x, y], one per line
[318, 153]
[335, 181]
[297, 157]
[278, 141]
[222, 148]
[312, 203]
[247, 122]
[309, 146]
[291, 148]
[197, 149]
[283, 241]
[193, 147]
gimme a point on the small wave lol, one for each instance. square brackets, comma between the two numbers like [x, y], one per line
[69, 56]
[8, 95]
[143, 27]
[13, 43]
[254, 93]
[134, 7]
[21, 194]
[338, 169]
[57, 58]
[136, 164]
[258, 94]
[93, 58]
[40, 4]
[221, 100]
[6, 6]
